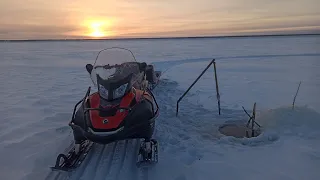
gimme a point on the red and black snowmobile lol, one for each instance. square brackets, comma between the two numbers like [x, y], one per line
[122, 108]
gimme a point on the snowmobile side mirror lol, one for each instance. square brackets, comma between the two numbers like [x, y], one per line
[89, 68]
[142, 66]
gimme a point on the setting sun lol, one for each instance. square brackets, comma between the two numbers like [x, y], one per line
[98, 29]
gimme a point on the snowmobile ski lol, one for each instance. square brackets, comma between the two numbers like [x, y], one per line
[73, 160]
[148, 153]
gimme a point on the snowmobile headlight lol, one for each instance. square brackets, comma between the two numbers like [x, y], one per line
[120, 91]
[103, 92]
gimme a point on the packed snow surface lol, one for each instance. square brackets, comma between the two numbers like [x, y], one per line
[42, 81]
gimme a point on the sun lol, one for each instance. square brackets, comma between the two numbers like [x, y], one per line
[98, 29]
[97, 33]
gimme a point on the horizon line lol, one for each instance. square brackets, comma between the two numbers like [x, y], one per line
[148, 38]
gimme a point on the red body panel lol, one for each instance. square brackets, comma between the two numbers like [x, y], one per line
[113, 121]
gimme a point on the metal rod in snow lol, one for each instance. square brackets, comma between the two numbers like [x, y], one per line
[294, 99]
[253, 119]
[177, 110]
[217, 86]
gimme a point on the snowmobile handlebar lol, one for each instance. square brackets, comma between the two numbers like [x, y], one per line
[142, 67]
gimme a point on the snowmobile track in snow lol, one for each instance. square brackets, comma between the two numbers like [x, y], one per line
[114, 161]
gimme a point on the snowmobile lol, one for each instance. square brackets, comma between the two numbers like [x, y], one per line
[123, 107]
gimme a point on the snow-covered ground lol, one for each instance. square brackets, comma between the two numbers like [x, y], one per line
[41, 82]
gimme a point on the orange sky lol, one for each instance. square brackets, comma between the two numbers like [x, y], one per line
[38, 19]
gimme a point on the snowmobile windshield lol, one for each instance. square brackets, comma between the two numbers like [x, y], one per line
[114, 72]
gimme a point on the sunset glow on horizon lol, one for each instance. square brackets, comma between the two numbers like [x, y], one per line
[36, 19]
[97, 29]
